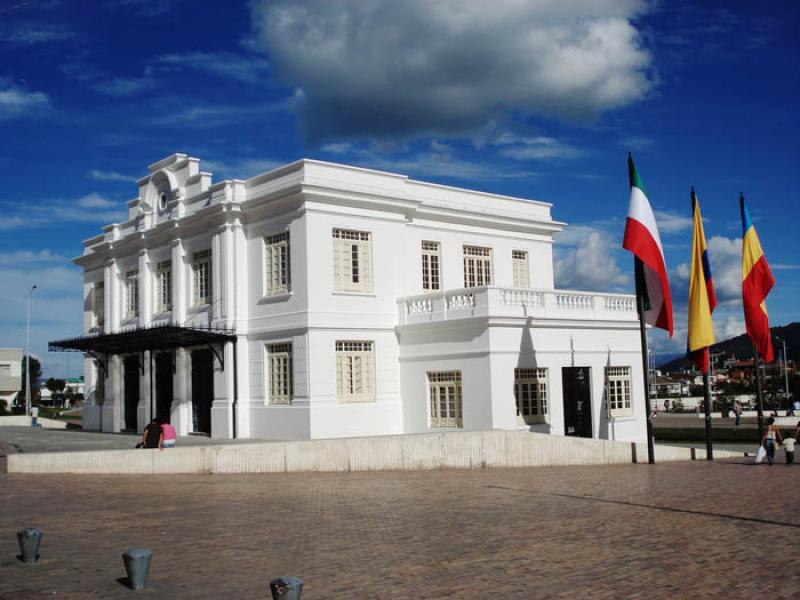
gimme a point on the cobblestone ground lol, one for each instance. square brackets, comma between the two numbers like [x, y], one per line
[687, 530]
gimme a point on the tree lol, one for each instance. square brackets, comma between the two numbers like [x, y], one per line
[55, 385]
[36, 374]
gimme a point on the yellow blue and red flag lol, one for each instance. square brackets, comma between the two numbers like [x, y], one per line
[702, 298]
[757, 281]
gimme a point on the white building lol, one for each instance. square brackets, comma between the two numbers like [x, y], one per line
[10, 376]
[321, 300]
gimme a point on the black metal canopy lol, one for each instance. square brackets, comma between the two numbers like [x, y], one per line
[160, 337]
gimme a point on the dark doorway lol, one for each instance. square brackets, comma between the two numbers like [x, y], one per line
[131, 366]
[577, 401]
[164, 372]
[202, 389]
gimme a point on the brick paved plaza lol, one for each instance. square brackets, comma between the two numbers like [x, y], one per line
[721, 530]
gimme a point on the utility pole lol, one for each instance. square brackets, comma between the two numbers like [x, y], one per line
[28, 356]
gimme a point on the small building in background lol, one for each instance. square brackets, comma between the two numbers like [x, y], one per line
[10, 376]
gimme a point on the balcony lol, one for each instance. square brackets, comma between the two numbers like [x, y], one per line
[515, 303]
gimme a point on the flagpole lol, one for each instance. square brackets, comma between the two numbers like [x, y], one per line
[707, 394]
[759, 393]
[645, 371]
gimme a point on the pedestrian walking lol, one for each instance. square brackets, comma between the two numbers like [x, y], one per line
[772, 436]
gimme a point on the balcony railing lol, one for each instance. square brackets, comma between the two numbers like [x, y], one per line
[515, 302]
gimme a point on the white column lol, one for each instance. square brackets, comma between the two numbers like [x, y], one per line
[113, 299]
[179, 282]
[112, 407]
[145, 288]
[218, 255]
[143, 414]
[221, 421]
[181, 410]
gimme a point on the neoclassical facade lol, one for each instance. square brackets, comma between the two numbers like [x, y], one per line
[321, 300]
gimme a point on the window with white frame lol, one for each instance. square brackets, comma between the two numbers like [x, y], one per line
[519, 260]
[201, 277]
[355, 371]
[352, 261]
[276, 264]
[99, 304]
[477, 266]
[445, 395]
[618, 391]
[431, 261]
[530, 391]
[164, 286]
[99, 385]
[279, 365]
[131, 293]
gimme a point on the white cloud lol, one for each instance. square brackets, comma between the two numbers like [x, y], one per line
[591, 265]
[231, 65]
[21, 257]
[95, 200]
[536, 148]
[109, 176]
[120, 87]
[27, 33]
[670, 222]
[16, 102]
[92, 208]
[415, 68]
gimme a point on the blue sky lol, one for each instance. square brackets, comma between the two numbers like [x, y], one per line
[538, 99]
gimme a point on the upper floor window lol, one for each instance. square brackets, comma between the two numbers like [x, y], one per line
[164, 286]
[355, 371]
[99, 305]
[276, 264]
[477, 266]
[201, 277]
[618, 391]
[431, 261]
[131, 293]
[279, 358]
[352, 261]
[530, 390]
[519, 258]
[5, 370]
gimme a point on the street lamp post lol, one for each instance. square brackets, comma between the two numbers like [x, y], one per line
[785, 370]
[28, 356]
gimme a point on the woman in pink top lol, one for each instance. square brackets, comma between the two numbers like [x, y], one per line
[169, 436]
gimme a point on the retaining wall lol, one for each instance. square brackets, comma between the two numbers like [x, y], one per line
[457, 450]
[25, 421]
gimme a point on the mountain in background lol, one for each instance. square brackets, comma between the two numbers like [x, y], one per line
[742, 347]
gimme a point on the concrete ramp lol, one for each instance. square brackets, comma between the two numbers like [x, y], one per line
[456, 450]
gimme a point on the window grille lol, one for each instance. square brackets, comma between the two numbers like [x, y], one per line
[445, 397]
[276, 264]
[530, 391]
[201, 277]
[352, 261]
[355, 371]
[618, 391]
[164, 286]
[279, 358]
[431, 261]
[519, 259]
[131, 293]
[477, 266]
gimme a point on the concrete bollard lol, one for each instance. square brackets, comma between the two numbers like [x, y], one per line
[286, 588]
[137, 566]
[29, 540]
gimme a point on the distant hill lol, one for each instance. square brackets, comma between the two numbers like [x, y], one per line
[742, 347]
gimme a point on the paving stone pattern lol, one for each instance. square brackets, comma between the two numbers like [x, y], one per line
[682, 530]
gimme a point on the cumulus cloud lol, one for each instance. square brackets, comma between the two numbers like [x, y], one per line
[414, 68]
[590, 265]
[17, 102]
[670, 222]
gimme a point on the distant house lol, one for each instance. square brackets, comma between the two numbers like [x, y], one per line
[10, 375]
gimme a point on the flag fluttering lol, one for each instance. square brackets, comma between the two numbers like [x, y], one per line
[757, 281]
[641, 238]
[702, 298]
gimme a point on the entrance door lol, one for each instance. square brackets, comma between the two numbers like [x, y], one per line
[577, 401]
[131, 365]
[202, 389]
[164, 385]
